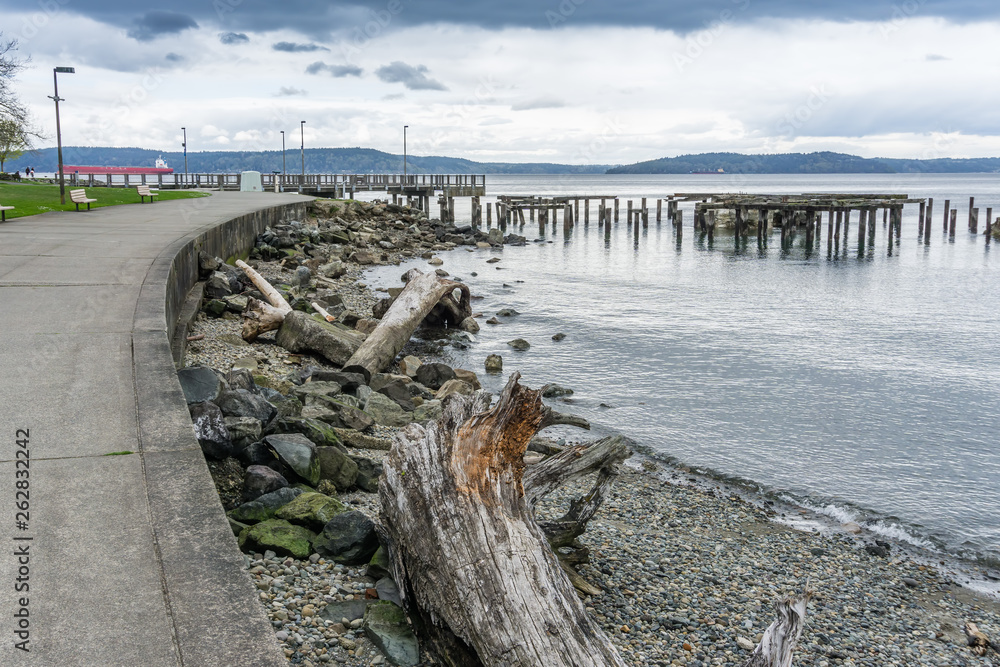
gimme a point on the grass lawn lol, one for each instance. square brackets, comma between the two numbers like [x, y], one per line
[32, 198]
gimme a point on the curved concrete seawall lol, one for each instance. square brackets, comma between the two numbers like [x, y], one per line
[130, 559]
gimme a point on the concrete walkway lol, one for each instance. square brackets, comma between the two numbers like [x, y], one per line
[131, 561]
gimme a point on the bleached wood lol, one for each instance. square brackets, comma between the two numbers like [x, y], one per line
[472, 560]
[259, 317]
[422, 293]
[265, 288]
[322, 311]
[781, 637]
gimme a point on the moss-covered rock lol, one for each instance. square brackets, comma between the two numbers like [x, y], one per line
[386, 627]
[280, 536]
[313, 510]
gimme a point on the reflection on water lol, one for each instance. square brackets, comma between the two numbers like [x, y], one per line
[863, 378]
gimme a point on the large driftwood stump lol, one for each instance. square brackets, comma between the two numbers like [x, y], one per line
[471, 561]
[423, 293]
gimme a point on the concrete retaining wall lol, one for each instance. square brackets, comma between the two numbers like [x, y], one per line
[232, 238]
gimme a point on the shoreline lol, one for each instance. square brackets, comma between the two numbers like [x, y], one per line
[653, 610]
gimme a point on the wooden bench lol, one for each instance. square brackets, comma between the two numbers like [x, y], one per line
[3, 212]
[144, 192]
[80, 197]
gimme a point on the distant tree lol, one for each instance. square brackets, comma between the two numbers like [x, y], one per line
[13, 141]
[16, 131]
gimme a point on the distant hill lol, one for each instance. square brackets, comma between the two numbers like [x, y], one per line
[806, 163]
[318, 160]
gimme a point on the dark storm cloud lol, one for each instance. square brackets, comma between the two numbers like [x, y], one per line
[157, 22]
[321, 19]
[414, 78]
[233, 38]
[292, 47]
[337, 71]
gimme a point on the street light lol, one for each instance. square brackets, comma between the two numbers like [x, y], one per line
[302, 137]
[282, 152]
[184, 145]
[404, 152]
[55, 85]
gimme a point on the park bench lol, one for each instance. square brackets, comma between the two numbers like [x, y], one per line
[144, 192]
[80, 197]
[3, 212]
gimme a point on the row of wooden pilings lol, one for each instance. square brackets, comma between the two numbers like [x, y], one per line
[790, 216]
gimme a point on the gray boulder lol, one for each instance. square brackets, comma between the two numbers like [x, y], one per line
[430, 410]
[241, 378]
[387, 590]
[242, 430]
[302, 333]
[199, 383]
[385, 411]
[434, 374]
[519, 344]
[337, 467]
[264, 507]
[298, 453]
[242, 403]
[399, 393]
[348, 538]
[368, 473]
[259, 480]
[210, 429]
[386, 627]
[217, 286]
[494, 363]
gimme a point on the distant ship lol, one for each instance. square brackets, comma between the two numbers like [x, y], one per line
[718, 171]
[160, 168]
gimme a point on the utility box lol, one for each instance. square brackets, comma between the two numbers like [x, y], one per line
[250, 182]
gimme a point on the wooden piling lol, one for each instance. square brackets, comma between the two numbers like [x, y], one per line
[659, 210]
[576, 210]
[520, 216]
[586, 211]
[761, 224]
[679, 217]
[607, 224]
[974, 221]
[628, 218]
[972, 202]
[988, 233]
[847, 226]
[862, 221]
[920, 220]
[871, 226]
[489, 216]
[836, 230]
[947, 208]
[951, 228]
[928, 218]
[616, 210]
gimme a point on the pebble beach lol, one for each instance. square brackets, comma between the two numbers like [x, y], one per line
[689, 571]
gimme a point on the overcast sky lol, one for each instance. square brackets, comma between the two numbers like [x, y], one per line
[577, 81]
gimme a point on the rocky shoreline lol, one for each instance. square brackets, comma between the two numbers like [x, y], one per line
[689, 575]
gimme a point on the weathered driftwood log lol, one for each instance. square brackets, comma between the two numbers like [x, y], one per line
[978, 641]
[422, 293]
[258, 316]
[472, 564]
[781, 637]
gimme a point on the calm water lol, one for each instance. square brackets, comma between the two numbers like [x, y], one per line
[864, 387]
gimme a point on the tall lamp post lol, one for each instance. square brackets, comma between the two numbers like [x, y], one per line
[404, 152]
[55, 85]
[282, 152]
[302, 149]
[184, 145]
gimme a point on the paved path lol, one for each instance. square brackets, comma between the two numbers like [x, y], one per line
[131, 561]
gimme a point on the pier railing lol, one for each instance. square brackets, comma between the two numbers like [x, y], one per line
[455, 185]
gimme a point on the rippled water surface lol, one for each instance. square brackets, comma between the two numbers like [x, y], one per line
[864, 385]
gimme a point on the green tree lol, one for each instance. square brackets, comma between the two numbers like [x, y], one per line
[13, 140]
